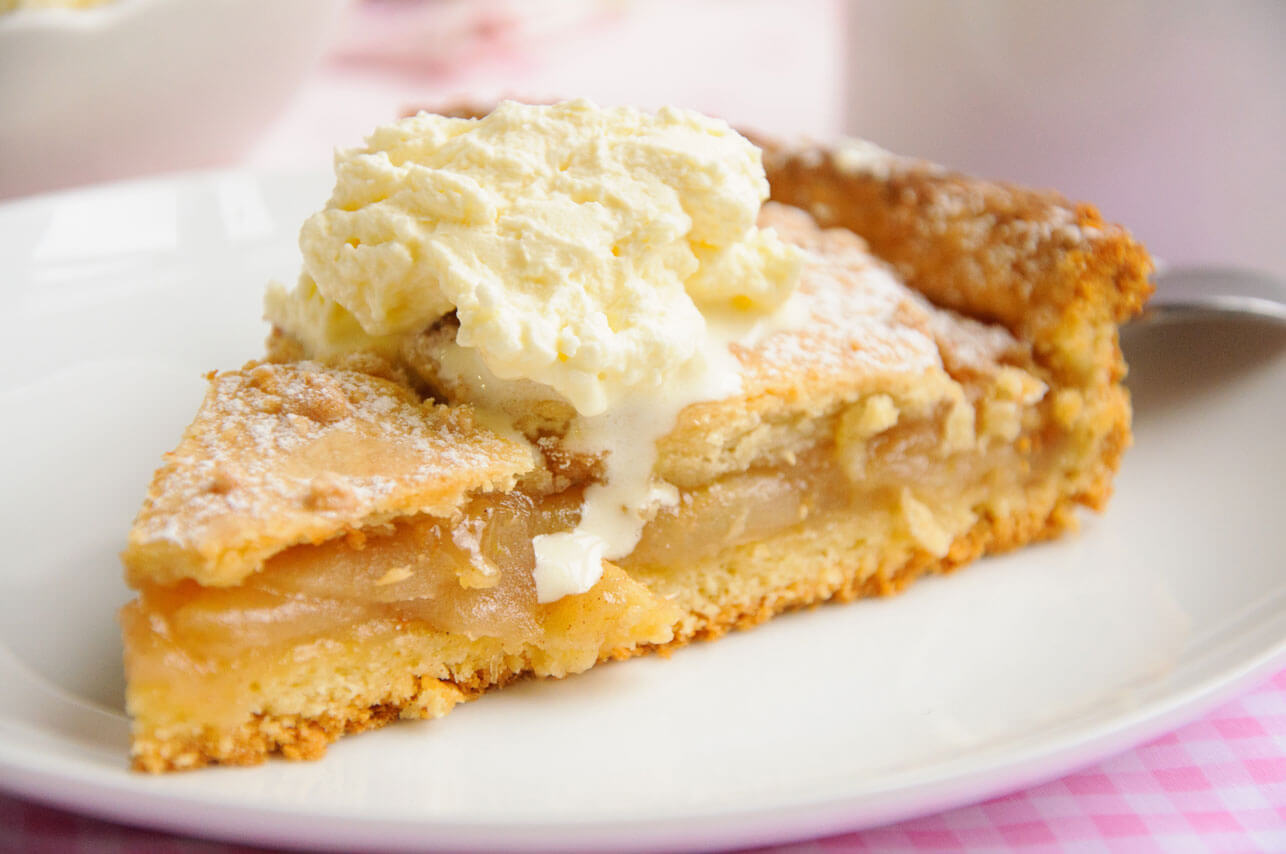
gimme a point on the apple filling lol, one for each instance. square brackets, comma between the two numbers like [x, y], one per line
[471, 576]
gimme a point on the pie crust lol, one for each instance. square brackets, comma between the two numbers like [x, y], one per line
[336, 545]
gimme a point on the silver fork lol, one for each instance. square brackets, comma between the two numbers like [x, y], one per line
[1196, 293]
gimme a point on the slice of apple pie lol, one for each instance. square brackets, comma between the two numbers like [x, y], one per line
[351, 534]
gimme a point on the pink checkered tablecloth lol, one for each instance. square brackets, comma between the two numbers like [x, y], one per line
[1216, 785]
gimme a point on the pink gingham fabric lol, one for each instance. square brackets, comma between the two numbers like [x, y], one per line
[1216, 785]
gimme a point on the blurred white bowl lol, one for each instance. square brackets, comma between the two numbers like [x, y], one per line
[139, 86]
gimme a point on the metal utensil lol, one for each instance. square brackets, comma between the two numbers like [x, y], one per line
[1196, 293]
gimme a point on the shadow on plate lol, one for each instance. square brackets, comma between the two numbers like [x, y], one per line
[1177, 364]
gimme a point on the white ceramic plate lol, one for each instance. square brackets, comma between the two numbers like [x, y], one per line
[1018, 669]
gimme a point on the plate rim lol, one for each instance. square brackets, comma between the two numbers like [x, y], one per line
[960, 784]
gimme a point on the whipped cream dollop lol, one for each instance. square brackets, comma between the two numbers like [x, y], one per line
[606, 255]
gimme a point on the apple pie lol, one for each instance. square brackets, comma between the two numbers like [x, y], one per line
[341, 541]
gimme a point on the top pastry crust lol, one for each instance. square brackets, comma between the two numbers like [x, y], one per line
[285, 454]
[1052, 272]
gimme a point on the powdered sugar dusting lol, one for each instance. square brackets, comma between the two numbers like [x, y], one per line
[1011, 226]
[968, 346]
[282, 454]
[859, 320]
[859, 156]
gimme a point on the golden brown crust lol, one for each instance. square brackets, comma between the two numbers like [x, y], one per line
[301, 453]
[1053, 273]
[291, 736]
